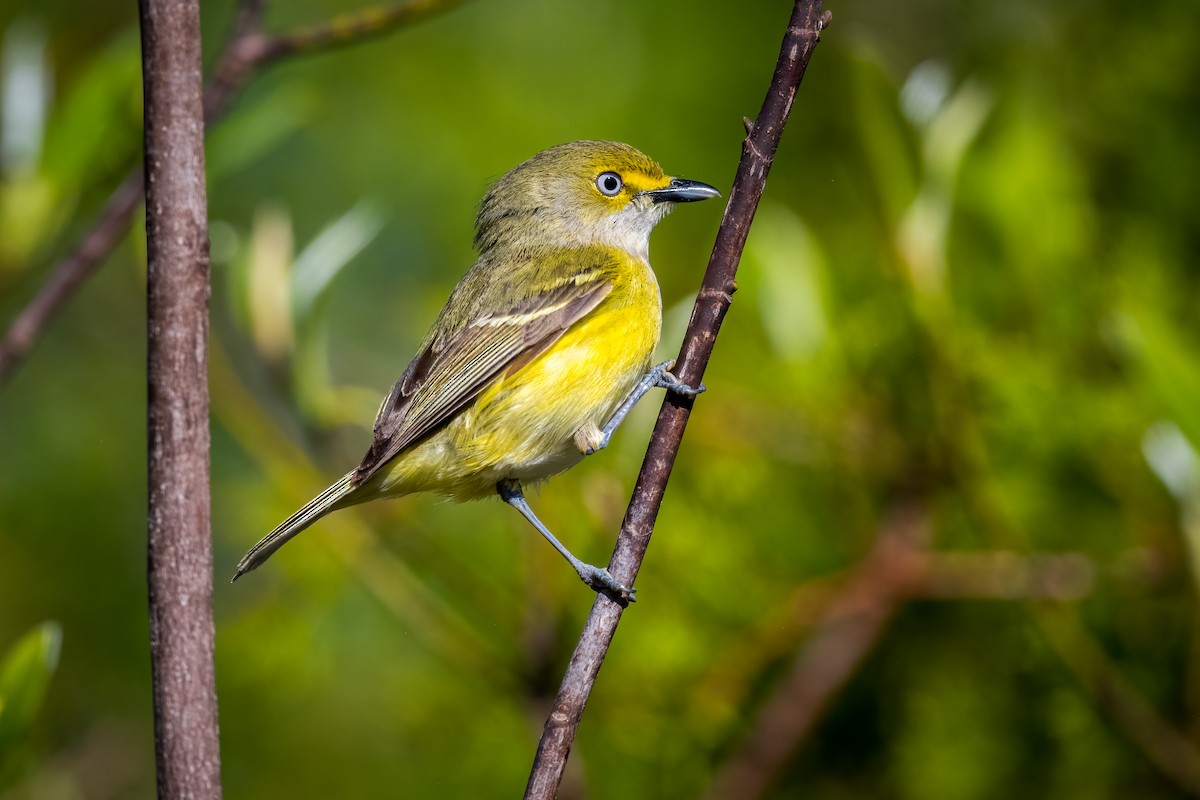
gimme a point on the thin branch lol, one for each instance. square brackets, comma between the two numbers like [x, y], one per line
[248, 52]
[1165, 746]
[251, 50]
[104, 236]
[353, 27]
[899, 568]
[231, 70]
[816, 607]
[179, 557]
[248, 18]
[758, 149]
[850, 628]
[1001, 575]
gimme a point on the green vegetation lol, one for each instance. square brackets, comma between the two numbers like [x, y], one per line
[969, 311]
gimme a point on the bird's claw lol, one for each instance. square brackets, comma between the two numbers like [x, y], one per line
[669, 382]
[601, 580]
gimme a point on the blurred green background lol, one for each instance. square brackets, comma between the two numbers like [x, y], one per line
[968, 324]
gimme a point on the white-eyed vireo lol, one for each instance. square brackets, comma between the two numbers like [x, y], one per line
[540, 352]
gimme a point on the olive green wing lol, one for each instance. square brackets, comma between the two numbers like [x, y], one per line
[451, 370]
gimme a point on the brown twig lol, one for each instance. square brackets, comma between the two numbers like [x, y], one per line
[850, 627]
[897, 575]
[353, 27]
[899, 568]
[177, 280]
[758, 149]
[248, 52]
[1001, 575]
[251, 50]
[1165, 746]
[105, 234]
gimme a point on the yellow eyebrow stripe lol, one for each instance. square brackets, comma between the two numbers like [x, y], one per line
[640, 182]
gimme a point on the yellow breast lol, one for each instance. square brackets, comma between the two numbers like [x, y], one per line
[524, 423]
[522, 426]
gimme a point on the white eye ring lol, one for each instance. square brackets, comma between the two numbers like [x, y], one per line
[609, 184]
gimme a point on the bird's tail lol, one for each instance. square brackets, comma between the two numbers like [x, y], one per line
[316, 508]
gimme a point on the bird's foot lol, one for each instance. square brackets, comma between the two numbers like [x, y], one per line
[668, 381]
[601, 580]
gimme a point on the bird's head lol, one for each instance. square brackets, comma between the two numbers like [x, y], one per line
[579, 194]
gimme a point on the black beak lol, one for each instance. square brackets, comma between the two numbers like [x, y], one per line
[681, 190]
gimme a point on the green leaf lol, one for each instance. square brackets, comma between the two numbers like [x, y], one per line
[256, 130]
[785, 265]
[1167, 363]
[335, 247]
[25, 673]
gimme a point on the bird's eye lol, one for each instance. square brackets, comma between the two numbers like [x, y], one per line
[609, 184]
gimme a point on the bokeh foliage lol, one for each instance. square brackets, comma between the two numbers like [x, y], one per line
[972, 287]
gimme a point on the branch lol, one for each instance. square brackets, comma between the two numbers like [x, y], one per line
[353, 27]
[107, 232]
[1164, 746]
[899, 568]
[713, 301]
[248, 52]
[251, 50]
[179, 557]
[887, 576]
[1001, 575]
[850, 628]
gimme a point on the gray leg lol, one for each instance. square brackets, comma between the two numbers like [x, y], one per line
[596, 577]
[659, 376]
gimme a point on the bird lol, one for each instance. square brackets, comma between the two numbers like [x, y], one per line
[541, 350]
